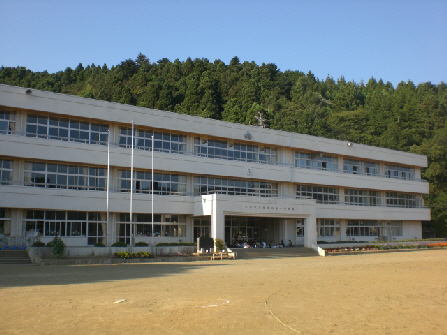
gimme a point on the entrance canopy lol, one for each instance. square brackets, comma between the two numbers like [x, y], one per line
[218, 206]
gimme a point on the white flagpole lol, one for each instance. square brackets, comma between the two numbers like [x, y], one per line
[152, 191]
[132, 236]
[108, 183]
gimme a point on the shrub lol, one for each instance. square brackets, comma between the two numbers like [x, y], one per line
[141, 244]
[130, 255]
[58, 247]
[38, 244]
[99, 244]
[220, 245]
[119, 244]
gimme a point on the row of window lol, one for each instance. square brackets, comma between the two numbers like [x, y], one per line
[164, 225]
[68, 129]
[54, 175]
[92, 225]
[359, 228]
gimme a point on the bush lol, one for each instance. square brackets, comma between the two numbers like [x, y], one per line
[220, 245]
[141, 244]
[119, 244]
[99, 244]
[130, 255]
[58, 247]
[38, 244]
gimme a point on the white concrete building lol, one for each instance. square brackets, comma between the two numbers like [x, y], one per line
[222, 179]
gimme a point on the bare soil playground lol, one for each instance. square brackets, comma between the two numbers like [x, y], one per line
[391, 293]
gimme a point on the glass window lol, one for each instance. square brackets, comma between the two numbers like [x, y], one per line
[394, 199]
[214, 148]
[210, 185]
[64, 129]
[5, 171]
[7, 122]
[399, 172]
[164, 184]
[322, 194]
[362, 228]
[164, 142]
[316, 161]
[328, 228]
[55, 175]
[362, 197]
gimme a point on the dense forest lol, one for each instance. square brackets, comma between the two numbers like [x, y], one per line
[406, 117]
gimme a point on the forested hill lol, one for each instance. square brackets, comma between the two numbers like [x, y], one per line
[406, 117]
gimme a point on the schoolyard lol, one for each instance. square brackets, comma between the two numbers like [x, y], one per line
[390, 293]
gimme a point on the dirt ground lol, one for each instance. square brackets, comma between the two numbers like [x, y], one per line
[392, 293]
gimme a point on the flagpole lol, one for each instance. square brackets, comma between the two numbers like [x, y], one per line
[132, 235]
[108, 182]
[152, 191]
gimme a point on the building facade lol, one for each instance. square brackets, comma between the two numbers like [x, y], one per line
[66, 162]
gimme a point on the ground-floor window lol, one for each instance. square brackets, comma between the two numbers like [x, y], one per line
[394, 228]
[92, 225]
[362, 228]
[165, 225]
[328, 228]
[202, 227]
[299, 228]
[5, 221]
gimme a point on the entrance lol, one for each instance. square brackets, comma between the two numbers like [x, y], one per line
[251, 230]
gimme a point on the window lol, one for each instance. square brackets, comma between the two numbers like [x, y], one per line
[209, 185]
[164, 142]
[322, 194]
[64, 129]
[7, 122]
[362, 197]
[165, 225]
[317, 161]
[394, 228]
[213, 148]
[299, 227]
[362, 228]
[399, 172]
[92, 225]
[164, 184]
[361, 167]
[202, 227]
[5, 171]
[5, 221]
[328, 228]
[394, 199]
[54, 175]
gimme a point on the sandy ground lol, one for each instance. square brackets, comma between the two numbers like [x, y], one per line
[393, 293]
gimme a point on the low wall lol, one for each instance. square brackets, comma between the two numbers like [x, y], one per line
[38, 253]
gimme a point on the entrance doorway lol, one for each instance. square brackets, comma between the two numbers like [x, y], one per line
[251, 230]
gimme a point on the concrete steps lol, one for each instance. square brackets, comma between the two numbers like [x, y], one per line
[14, 257]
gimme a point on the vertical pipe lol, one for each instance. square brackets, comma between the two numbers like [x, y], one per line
[132, 236]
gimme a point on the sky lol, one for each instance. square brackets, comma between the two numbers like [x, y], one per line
[392, 40]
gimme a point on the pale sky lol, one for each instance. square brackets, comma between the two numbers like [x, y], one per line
[358, 39]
